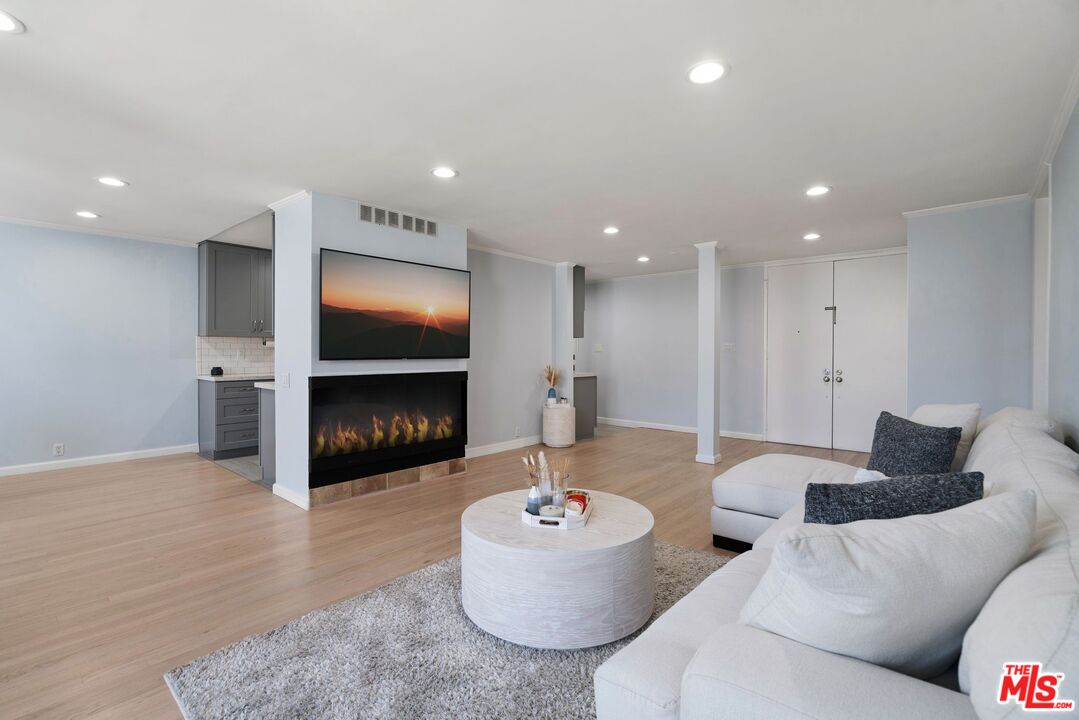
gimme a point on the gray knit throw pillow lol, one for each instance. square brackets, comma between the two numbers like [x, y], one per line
[902, 447]
[838, 503]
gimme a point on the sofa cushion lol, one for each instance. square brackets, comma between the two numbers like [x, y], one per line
[769, 485]
[835, 504]
[1022, 417]
[902, 447]
[964, 416]
[791, 518]
[644, 679]
[896, 593]
[742, 673]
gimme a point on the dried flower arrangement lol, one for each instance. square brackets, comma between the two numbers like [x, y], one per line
[552, 376]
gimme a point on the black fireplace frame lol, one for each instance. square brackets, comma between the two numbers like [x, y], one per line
[342, 468]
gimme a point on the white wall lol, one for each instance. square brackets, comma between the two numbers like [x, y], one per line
[98, 345]
[970, 278]
[511, 330]
[647, 368]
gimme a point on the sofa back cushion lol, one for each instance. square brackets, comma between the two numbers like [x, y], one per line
[1032, 614]
[964, 416]
[897, 593]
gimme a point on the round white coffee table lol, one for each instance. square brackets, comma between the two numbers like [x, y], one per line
[551, 588]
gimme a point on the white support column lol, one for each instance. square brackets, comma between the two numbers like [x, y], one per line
[563, 343]
[708, 278]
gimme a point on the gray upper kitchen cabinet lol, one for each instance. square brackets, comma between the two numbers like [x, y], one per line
[578, 301]
[235, 290]
[265, 293]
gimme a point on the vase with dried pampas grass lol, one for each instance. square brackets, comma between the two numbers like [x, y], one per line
[552, 376]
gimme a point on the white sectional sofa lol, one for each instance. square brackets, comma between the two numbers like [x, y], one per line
[696, 661]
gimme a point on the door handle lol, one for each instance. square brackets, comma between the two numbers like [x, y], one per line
[832, 308]
[839, 378]
[828, 379]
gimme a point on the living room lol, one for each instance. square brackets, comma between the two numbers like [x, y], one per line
[775, 301]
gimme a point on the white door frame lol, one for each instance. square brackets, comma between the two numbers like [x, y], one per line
[901, 250]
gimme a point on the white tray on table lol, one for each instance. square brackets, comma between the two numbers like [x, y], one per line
[559, 523]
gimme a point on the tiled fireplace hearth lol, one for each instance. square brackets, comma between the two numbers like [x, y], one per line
[377, 432]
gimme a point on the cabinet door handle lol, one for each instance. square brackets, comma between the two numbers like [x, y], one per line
[252, 326]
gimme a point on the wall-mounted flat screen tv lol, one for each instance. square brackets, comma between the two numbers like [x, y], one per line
[373, 308]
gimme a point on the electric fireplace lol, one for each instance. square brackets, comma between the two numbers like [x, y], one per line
[364, 425]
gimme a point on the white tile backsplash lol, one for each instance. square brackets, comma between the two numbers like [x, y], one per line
[235, 355]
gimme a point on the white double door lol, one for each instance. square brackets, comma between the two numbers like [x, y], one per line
[837, 350]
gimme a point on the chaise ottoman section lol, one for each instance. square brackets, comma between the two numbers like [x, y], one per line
[750, 496]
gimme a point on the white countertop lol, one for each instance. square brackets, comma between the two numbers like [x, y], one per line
[583, 374]
[233, 378]
[266, 385]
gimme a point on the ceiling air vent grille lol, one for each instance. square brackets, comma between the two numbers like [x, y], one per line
[394, 219]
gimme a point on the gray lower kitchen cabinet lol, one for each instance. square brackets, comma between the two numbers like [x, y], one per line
[585, 401]
[235, 290]
[228, 419]
[267, 431]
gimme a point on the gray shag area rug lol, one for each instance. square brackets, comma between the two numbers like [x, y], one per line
[407, 650]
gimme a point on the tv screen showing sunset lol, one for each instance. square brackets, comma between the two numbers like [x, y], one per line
[374, 308]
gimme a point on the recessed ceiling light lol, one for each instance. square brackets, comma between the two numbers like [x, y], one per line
[707, 72]
[88, 215]
[817, 190]
[610, 230]
[444, 172]
[643, 258]
[112, 181]
[10, 24]
[811, 236]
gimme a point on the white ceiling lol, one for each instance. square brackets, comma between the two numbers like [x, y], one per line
[561, 116]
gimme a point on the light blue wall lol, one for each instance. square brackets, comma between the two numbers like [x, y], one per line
[970, 294]
[98, 344]
[511, 343]
[1064, 300]
[647, 368]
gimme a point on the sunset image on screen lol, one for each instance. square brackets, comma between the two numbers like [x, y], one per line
[377, 308]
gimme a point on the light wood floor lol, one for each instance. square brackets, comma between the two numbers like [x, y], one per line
[114, 574]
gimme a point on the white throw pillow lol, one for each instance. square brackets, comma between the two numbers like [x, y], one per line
[896, 593]
[960, 416]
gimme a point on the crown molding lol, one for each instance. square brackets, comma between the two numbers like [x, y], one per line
[1056, 133]
[101, 233]
[278, 204]
[514, 256]
[965, 206]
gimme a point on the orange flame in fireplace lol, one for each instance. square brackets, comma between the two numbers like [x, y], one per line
[404, 429]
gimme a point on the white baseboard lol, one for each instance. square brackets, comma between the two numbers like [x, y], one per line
[741, 435]
[709, 459]
[618, 422]
[96, 460]
[301, 501]
[480, 450]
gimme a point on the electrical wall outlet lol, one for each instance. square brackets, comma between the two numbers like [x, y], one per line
[598, 347]
[517, 431]
[57, 449]
[729, 347]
